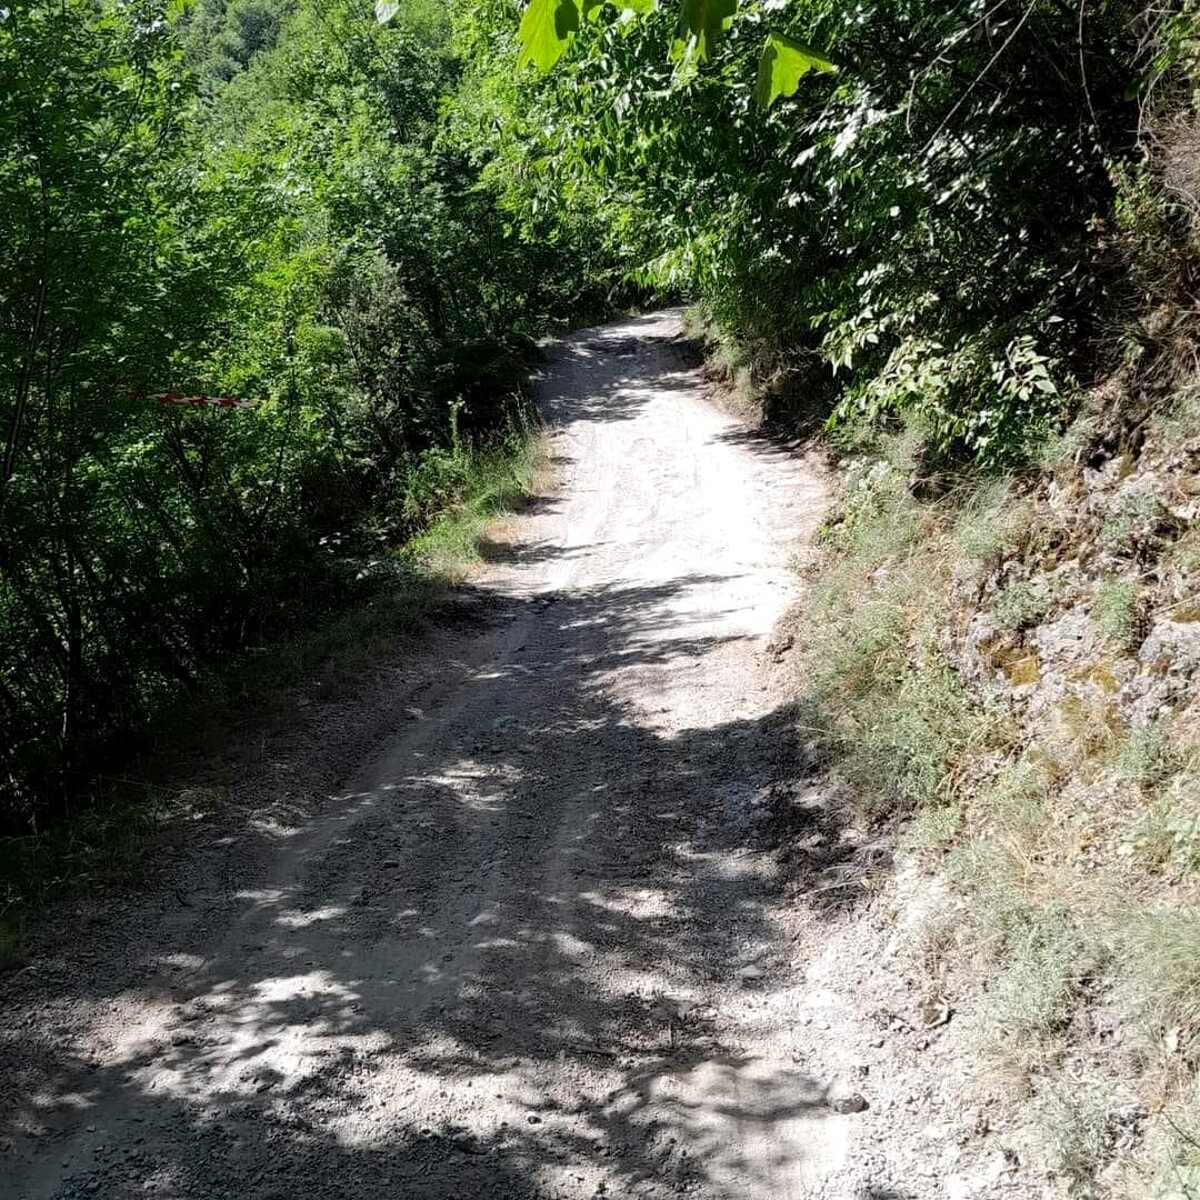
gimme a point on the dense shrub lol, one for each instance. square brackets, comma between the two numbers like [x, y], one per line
[262, 199]
[930, 221]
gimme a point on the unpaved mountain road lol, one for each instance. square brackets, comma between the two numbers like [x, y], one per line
[537, 946]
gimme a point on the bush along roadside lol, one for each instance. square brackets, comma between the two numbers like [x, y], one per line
[128, 802]
[258, 288]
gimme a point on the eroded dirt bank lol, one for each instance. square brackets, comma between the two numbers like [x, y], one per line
[535, 947]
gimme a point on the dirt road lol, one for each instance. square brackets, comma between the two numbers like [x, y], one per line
[535, 948]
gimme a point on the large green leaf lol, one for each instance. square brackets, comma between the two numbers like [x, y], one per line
[545, 30]
[701, 23]
[783, 64]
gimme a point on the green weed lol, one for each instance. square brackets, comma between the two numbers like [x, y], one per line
[991, 523]
[1125, 521]
[495, 483]
[988, 872]
[877, 520]
[1115, 611]
[1014, 800]
[1034, 995]
[1048, 845]
[105, 843]
[1160, 956]
[108, 840]
[1167, 836]
[1183, 557]
[1062, 451]
[1179, 420]
[1077, 1120]
[1146, 756]
[1170, 1165]
[934, 827]
[902, 719]
[1023, 604]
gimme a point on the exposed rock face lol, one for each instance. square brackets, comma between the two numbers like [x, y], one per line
[1113, 595]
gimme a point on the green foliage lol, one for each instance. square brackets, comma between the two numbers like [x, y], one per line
[221, 37]
[1014, 800]
[934, 827]
[783, 64]
[1023, 604]
[1130, 521]
[280, 200]
[923, 223]
[1146, 757]
[1162, 954]
[701, 24]
[546, 27]
[896, 717]
[1033, 996]
[992, 525]
[1167, 836]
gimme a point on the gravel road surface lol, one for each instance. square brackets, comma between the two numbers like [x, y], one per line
[530, 941]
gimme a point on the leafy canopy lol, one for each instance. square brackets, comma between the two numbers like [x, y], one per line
[545, 30]
[547, 27]
[701, 23]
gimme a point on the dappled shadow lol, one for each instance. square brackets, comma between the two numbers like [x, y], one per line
[495, 965]
[620, 393]
[532, 505]
[773, 443]
[498, 551]
[627, 368]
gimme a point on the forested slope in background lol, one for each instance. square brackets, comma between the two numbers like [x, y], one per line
[277, 202]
